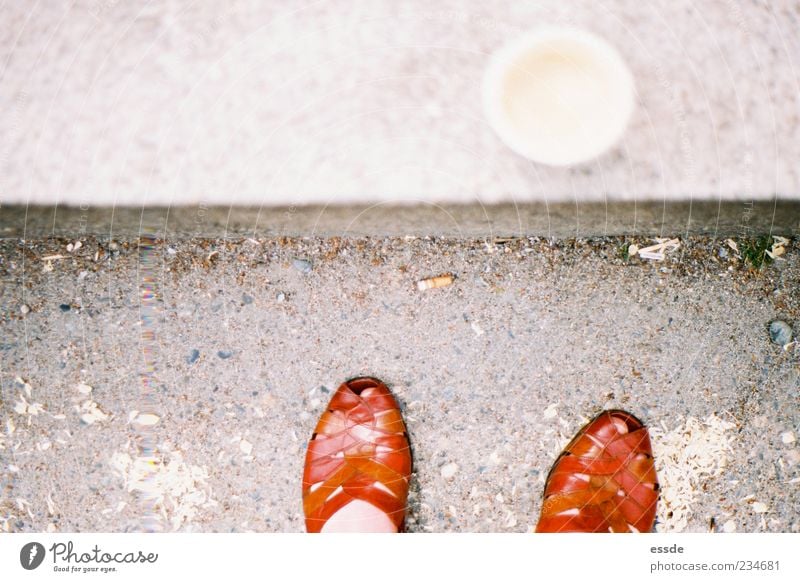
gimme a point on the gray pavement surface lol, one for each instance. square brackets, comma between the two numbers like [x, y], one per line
[221, 354]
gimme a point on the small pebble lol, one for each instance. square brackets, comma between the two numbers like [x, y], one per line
[64, 307]
[449, 470]
[246, 447]
[281, 297]
[246, 299]
[729, 526]
[788, 437]
[759, 507]
[302, 265]
[780, 332]
[193, 356]
[224, 355]
[24, 309]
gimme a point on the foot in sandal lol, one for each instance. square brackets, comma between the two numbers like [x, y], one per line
[358, 463]
[604, 480]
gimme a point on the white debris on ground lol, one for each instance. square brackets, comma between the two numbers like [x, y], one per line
[90, 413]
[178, 489]
[47, 267]
[144, 419]
[551, 411]
[778, 247]
[51, 506]
[26, 408]
[776, 251]
[685, 457]
[656, 252]
[23, 407]
[510, 519]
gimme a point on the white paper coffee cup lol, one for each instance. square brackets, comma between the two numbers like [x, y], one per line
[559, 96]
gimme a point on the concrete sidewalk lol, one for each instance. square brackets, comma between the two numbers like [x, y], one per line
[109, 102]
[222, 354]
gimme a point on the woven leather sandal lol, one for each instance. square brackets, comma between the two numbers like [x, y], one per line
[604, 480]
[359, 451]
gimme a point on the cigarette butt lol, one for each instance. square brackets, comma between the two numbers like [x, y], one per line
[435, 282]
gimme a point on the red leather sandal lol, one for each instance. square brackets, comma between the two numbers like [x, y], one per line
[359, 451]
[604, 480]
